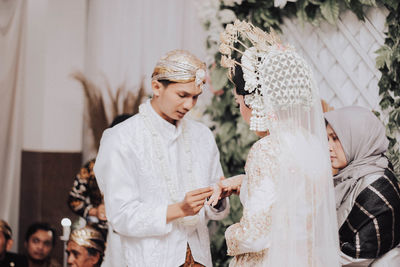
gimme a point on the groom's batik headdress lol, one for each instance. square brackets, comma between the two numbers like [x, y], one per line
[180, 66]
[275, 75]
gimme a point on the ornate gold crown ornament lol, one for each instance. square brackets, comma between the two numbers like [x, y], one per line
[182, 67]
[88, 237]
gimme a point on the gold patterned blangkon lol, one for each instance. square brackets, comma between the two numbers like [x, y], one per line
[88, 237]
[180, 66]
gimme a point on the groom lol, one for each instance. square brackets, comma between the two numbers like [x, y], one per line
[156, 170]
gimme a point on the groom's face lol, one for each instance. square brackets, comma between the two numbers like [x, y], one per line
[172, 102]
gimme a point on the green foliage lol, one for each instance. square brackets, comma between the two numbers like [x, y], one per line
[330, 11]
[232, 135]
[388, 62]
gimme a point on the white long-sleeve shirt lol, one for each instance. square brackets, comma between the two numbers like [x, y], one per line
[136, 194]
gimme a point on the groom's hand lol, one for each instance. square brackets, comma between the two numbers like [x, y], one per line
[194, 200]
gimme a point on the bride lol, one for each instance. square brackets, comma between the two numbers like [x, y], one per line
[289, 216]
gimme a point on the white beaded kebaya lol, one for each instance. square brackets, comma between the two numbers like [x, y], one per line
[175, 194]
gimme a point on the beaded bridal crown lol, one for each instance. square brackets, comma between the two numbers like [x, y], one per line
[275, 75]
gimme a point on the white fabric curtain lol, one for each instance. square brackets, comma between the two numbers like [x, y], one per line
[126, 38]
[12, 28]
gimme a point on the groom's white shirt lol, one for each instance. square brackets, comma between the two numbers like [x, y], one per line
[136, 195]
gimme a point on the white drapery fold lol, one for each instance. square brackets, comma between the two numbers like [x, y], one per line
[126, 38]
[12, 34]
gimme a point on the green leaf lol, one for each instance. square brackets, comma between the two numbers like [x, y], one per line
[368, 2]
[330, 11]
[301, 10]
[384, 57]
[357, 9]
[347, 2]
[391, 3]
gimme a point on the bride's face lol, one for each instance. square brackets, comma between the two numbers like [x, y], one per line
[338, 158]
[244, 109]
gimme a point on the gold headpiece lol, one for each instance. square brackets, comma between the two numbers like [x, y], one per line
[260, 40]
[5, 229]
[180, 66]
[88, 237]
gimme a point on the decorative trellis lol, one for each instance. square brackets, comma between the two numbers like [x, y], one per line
[342, 56]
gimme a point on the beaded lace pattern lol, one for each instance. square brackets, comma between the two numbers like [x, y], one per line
[261, 168]
[173, 188]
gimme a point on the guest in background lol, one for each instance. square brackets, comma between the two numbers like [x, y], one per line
[86, 200]
[366, 189]
[40, 239]
[9, 259]
[85, 247]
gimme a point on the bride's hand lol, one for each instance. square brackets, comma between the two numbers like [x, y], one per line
[225, 188]
[231, 185]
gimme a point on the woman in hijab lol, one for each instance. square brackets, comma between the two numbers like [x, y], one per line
[366, 189]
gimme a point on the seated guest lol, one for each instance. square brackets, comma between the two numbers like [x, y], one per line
[85, 247]
[86, 200]
[366, 189]
[8, 259]
[39, 242]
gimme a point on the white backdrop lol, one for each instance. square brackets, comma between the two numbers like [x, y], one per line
[12, 33]
[126, 38]
[343, 56]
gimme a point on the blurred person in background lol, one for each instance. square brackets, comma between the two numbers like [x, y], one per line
[85, 247]
[40, 240]
[9, 259]
[86, 200]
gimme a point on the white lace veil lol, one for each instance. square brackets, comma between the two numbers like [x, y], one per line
[303, 229]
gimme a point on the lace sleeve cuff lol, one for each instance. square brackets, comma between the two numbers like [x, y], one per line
[250, 235]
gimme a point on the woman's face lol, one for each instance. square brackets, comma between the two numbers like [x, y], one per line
[338, 158]
[244, 110]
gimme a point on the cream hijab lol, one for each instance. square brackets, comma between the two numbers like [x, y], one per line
[364, 141]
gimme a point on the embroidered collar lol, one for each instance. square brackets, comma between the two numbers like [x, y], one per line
[166, 129]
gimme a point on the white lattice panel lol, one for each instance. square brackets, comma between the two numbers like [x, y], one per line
[342, 56]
